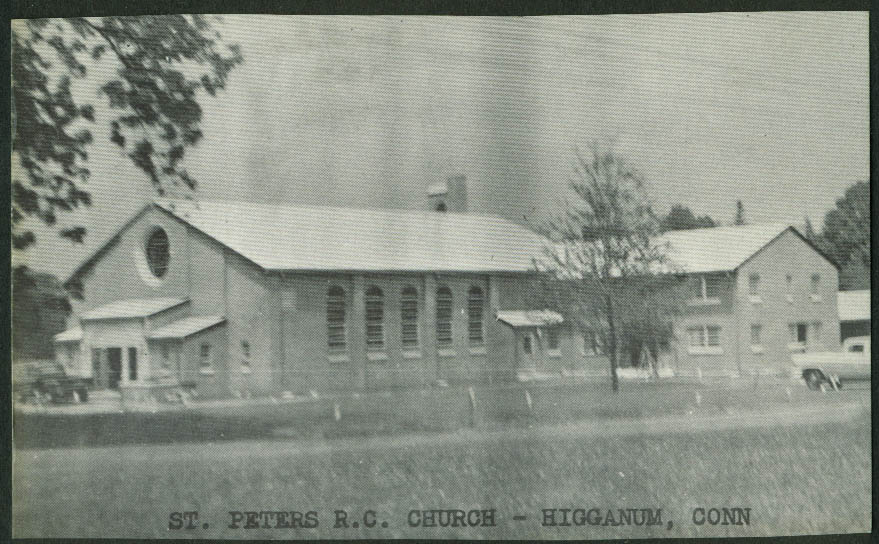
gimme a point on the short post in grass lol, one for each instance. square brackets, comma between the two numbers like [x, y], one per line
[789, 394]
[529, 403]
[471, 396]
[699, 374]
[337, 412]
[698, 398]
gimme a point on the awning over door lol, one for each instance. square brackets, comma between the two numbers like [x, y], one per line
[70, 335]
[529, 318]
[186, 327]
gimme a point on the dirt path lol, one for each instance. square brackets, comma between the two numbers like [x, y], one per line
[671, 425]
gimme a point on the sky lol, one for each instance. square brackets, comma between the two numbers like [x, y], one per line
[768, 108]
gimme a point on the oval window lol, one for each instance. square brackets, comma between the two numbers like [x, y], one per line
[157, 253]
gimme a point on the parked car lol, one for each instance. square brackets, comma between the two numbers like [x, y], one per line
[852, 363]
[47, 381]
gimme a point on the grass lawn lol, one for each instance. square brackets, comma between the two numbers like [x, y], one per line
[795, 478]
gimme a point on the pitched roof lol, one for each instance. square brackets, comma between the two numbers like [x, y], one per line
[70, 335]
[718, 249]
[279, 237]
[186, 327]
[529, 318]
[133, 307]
[853, 305]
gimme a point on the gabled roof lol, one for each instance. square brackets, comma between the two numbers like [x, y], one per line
[70, 335]
[529, 318]
[186, 327]
[853, 305]
[279, 237]
[133, 307]
[721, 249]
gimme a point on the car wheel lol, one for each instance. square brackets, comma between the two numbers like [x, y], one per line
[813, 379]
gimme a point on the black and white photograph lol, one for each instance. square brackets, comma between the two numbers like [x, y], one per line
[305, 277]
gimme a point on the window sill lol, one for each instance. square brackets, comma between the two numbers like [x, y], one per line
[755, 299]
[796, 346]
[477, 350]
[412, 354]
[815, 298]
[789, 298]
[757, 349]
[711, 301]
[246, 370]
[708, 350]
[206, 371]
[554, 352]
[446, 352]
[376, 356]
[338, 358]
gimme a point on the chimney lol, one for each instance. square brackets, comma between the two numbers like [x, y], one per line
[449, 195]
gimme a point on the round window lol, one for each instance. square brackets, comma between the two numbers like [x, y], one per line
[157, 254]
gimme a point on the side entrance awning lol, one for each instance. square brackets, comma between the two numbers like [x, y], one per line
[70, 335]
[529, 318]
[186, 327]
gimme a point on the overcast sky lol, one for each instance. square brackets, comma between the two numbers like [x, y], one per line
[769, 108]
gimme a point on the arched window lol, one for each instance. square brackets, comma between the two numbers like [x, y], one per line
[444, 316]
[375, 315]
[474, 315]
[409, 317]
[336, 318]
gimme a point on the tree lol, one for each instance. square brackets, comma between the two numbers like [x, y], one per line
[150, 69]
[809, 231]
[681, 218]
[40, 308]
[740, 213]
[845, 235]
[602, 263]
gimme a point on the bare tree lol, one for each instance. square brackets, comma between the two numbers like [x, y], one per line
[603, 265]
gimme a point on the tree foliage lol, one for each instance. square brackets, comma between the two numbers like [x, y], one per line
[845, 236]
[604, 269]
[149, 70]
[681, 218]
[40, 307]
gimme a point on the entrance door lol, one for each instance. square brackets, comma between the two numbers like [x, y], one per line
[114, 367]
[529, 347]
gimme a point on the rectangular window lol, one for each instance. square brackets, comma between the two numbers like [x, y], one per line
[132, 364]
[526, 343]
[204, 359]
[754, 288]
[704, 339]
[815, 294]
[754, 285]
[789, 285]
[245, 357]
[755, 335]
[707, 289]
[552, 338]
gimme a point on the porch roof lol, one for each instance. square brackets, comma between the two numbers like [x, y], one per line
[186, 327]
[133, 307]
[529, 318]
[70, 335]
